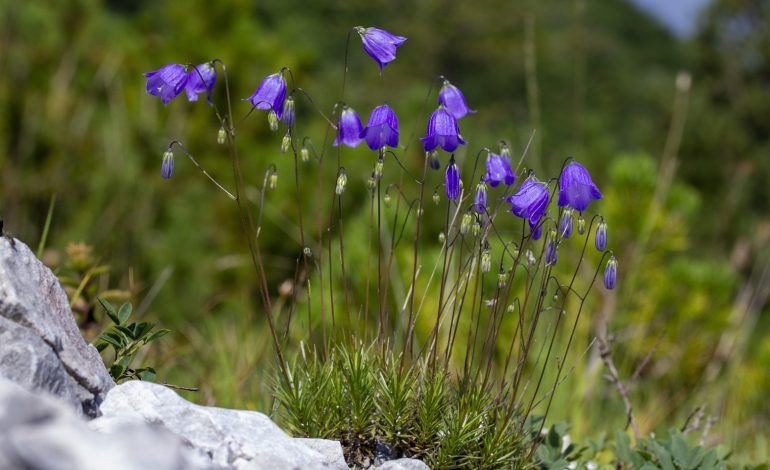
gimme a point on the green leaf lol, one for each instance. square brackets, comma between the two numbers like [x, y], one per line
[156, 335]
[664, 457]
[116, 371]
[124, 313]
[114, 339]
[146, 373]
[141, 329]
[101, 346]
[553, 439]
[110, 311]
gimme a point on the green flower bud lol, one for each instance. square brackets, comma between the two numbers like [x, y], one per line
[441, 238]
[272, 120]
[272, 180]
[304, 154]
[386, 199]
[436, 198]
[285, 143]
[342, 182]
[378, 167]
[581, 224]
[466, 222]
[221, 136]
[486, 261]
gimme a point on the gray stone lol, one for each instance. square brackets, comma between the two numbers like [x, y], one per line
[40, 345]
[38, 431]
[404, 464]
[330, 450]
[230, 438]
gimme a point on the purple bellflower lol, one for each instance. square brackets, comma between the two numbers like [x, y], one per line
[537, 231]
[166, 82]
[452, 180]
[349, 128]
[270, 94]
[442, 132]
[611, 273]
[600, 240]
[380, 44]
[530, 202]
[480, 198]
[499, 170]
[453, 99]
[576, 188]
[200, 79]
[382, 128]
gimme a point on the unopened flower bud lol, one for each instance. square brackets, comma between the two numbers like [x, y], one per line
[288, 112]
[486, 261]
[371, 184]
[600, 240]
[505, 151]
[581, 224]
[304, 154]
[551, 253]
[272, 120]
[285, 143]
[476, 228]
[342, 182]
[386, 199]
[307, 251]
[441, 238]
[272, 180]
[433, 160]
[378, 168]
[565, 225]
[420, 211]
[511, 308]
[167, 167]
[502, 278]
[611, 273]
[221, 136]
[530, 258]
[436, 198]
[465, 223]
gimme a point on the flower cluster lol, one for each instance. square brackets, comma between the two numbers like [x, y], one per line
[169, 81]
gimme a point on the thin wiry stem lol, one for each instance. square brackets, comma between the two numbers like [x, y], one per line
[202, 170]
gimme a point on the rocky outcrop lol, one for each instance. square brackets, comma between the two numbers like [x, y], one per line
[41, 348]
[229, 438]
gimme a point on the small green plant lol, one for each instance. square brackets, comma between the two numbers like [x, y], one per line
[127, 339]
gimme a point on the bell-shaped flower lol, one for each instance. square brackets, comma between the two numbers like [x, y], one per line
[530, 201]
[348, 128]
[200, 79]
[452, 180]
[270, 94]
[499, 170]
[453, 99]
[576, 188]
[480, 198]
[442, 132]
[382, 128]
[380, 44]
[611, 273]
[166, 82]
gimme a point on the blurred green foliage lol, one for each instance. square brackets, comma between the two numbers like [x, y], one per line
[690, 316]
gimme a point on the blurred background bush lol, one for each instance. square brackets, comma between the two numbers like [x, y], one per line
[689, 220]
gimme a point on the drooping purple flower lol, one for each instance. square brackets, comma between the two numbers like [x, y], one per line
[480, 198]
[600, 240]
[453, 99]
[565, 225]
[433, 160]
[499, 170]
[382, 128]
[200, 79]
[442, 132]
[348, 128]
[166, 82]
[270, 94]
[380, 44]
[452, 180]
[530, 201]
[551, 253]
[576, 188]
[611, 273]
[167, 167]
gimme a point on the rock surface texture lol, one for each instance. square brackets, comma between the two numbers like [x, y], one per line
[42, 432]
[230, 438]
[41, 348]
